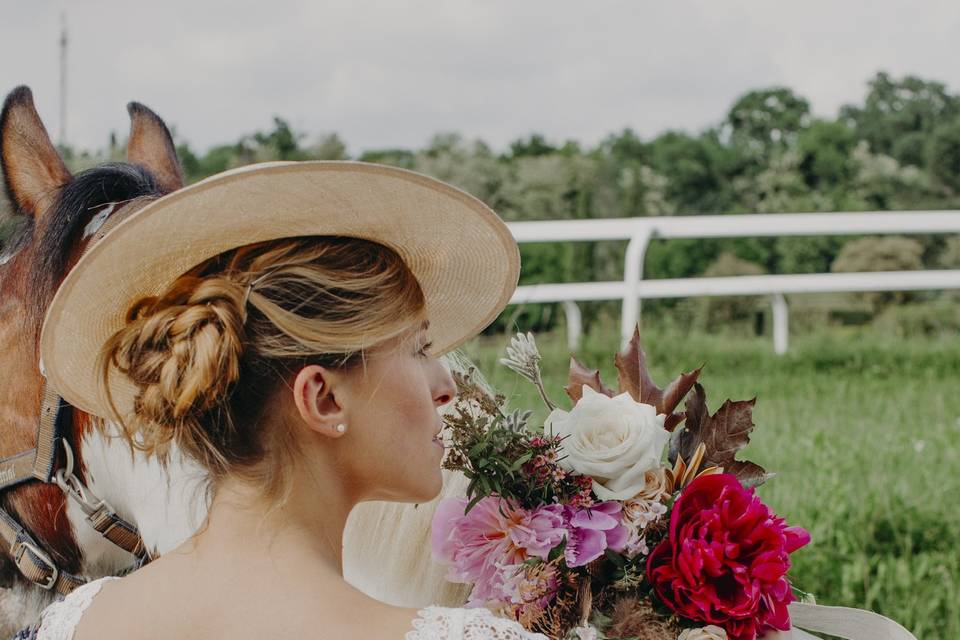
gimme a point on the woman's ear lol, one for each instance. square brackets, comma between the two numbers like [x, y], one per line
[314, 392]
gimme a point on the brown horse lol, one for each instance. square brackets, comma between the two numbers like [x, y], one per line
[58, 214]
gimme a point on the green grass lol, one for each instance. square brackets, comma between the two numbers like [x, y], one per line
[864, 434]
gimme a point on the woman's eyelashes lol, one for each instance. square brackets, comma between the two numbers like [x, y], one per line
[422, 352]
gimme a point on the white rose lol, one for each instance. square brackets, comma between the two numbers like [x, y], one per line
[709, 632]
[613, 440]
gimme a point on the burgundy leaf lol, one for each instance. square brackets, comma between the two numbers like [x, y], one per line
[579, 376]
[724, 434]
[635, 379]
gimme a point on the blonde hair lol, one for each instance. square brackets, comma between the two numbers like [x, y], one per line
[207, 355]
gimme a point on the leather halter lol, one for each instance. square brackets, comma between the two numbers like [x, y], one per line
[40, 464]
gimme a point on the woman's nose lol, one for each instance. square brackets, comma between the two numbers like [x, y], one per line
[445, 388]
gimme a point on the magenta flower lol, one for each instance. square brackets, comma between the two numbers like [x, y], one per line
[726, 558]
[495, 534]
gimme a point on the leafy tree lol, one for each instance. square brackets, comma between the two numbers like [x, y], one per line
[895, 110]
[766, 120]
[535, 145]
[403, 158]
[825, 154]
[281, 143]
[943, 155]
[882, 183]
[329, 147]
[625, 146]
[696, 168]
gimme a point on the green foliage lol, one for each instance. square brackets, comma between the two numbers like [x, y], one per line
[949, 257]
[943, 155]
[939, 318]
[825, 154]
[712, 313]
[885, 253]
[696, 169]
[498, 454]
[766, 120]
[895, 110]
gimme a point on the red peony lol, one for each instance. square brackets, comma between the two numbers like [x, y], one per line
[726, 559]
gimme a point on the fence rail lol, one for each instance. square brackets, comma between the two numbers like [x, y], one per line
[639, 231]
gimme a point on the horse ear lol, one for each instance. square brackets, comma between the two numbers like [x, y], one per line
[32, 168]
[151, 146]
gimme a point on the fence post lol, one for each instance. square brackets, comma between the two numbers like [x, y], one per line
[781, 323]
[574, 324]
[632, 273]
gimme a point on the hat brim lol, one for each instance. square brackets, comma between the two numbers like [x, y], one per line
[462, 254]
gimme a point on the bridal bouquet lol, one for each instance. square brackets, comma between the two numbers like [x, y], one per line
[584, 531]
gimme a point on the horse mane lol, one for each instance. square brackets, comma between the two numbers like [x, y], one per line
[112, 182]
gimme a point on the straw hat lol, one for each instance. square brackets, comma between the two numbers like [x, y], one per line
[461, 253]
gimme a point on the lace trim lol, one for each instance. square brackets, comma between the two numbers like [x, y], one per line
[60, 619]
[447, 623]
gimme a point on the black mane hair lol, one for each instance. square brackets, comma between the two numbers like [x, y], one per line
[89, 190]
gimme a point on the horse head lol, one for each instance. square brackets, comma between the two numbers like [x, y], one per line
[56, 216]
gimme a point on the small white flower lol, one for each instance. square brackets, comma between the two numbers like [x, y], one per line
[613, 440]
[586, 633]
[919, 445]
[636, 545]
[523, 356]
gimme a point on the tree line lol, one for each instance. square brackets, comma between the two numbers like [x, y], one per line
[897, 150]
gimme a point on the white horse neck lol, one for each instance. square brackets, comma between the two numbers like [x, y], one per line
[167, 504]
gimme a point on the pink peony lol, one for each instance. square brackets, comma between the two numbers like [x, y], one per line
[726, 558]
[480, 545]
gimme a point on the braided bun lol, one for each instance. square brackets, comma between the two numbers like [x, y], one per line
[183, 352]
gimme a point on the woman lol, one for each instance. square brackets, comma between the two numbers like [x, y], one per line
[280, 324]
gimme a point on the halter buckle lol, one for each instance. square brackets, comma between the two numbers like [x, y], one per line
[22, 546]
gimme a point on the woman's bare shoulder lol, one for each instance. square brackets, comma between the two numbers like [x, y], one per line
[153, 607]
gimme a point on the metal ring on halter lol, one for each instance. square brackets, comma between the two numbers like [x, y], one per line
[22, 546]
[74, 488]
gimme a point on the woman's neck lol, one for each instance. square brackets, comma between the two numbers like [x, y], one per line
[306, 530]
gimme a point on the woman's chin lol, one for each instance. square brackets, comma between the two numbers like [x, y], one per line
[424, 489]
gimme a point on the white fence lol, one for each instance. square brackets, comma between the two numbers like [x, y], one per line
[639, 232]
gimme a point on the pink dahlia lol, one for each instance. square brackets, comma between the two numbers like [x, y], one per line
[494, 535]
[726, 558]
[591, 531]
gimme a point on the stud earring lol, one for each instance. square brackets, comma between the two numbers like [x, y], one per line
[341, 428]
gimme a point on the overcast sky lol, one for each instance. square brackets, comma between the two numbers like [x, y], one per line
[392, 72]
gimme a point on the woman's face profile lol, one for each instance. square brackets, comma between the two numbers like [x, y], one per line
[390, 405]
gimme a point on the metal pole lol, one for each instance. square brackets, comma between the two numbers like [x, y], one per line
[632, 273]
[781, 320]
[63, 79]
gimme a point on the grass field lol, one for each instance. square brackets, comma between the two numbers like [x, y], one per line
[864, 434]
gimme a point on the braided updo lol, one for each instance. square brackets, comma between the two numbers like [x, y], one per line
[208, 353]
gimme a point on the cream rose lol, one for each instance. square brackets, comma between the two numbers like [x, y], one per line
[613, 440]
[709, 632]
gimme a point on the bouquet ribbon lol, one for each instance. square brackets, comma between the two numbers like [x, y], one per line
[844, 622]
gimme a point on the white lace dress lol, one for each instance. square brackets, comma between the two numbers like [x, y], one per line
[432, 623]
